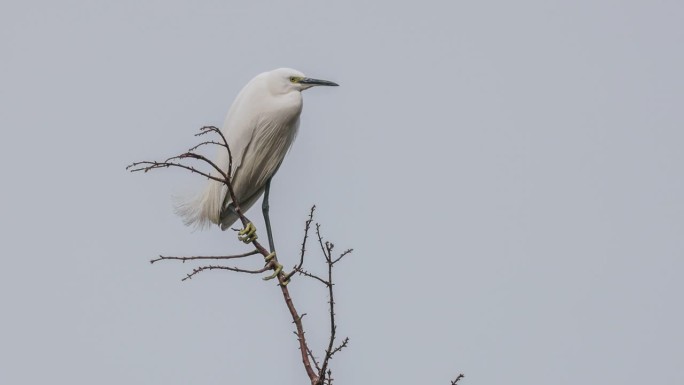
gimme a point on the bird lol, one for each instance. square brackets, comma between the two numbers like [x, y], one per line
[260, 127]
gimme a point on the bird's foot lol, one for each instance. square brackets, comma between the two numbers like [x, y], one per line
[248, 234]
[277, 269]
[269, 257]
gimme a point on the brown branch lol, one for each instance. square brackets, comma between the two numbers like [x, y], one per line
[236, 269]
[298, 267]
[327, 249]
[313, 358]
[341, 346]
[151, 165]
[331, 303]
[191, 149]
[192, 155]
[163, 258]
[216, 130]
[348, 251]
[314, 276]
[303, 347]
[320, 241]
[307, 225]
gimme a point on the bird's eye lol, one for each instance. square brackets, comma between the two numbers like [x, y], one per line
[293, 79]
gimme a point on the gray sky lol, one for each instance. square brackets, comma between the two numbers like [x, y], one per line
[509, 173]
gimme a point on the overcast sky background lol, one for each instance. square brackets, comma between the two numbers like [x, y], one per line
[509, 173]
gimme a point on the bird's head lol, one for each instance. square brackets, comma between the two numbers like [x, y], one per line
[287, 79]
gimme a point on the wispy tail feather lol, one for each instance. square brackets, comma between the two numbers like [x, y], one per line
[204, 209]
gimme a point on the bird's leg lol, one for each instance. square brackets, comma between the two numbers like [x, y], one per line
[264, 208]
[277, 267]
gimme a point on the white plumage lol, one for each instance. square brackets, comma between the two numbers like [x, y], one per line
[259, 128]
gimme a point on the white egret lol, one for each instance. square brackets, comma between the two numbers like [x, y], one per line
[259, 128]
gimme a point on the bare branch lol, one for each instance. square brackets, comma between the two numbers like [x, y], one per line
[320, 242]
[307, 224]
[314, 276]
[454, 382]
[236, 269]
[303, 347]
[216, 130]
[191, 149]
[341, 346]
[330, 351]
[151, 165]
[348, 251]
[163, 258]
[318, 367]
[192, 155]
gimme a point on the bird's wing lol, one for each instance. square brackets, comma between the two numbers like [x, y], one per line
[239, 135]
[238, 141]
[260, 159]
[263, 156]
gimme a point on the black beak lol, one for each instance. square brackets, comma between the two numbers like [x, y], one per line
[317, 82]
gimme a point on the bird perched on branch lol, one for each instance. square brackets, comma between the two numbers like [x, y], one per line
[259, 128]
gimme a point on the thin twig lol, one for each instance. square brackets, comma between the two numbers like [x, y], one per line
[454, 382]
[348, 251]
[163, 258]
[307, 225]
[236, 269]
[191, 149]
[216, 130]
[318, 367]
[340, 347]
[202, 158]
[320, 240]
[298, 267]
[327, 252]
[314, 276]
[151, 165]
